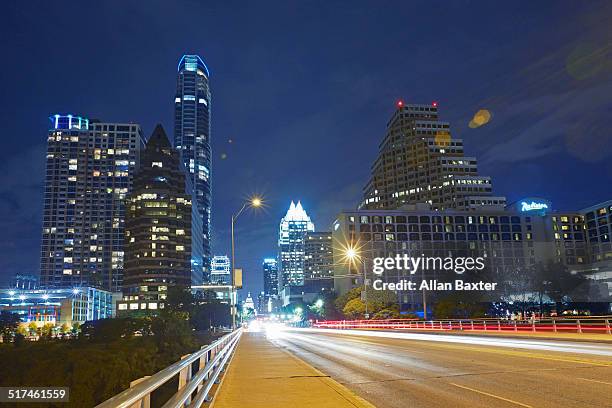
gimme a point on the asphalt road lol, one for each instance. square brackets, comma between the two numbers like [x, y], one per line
[429, 370]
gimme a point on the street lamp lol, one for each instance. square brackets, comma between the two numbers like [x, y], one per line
[352, 254]
[253, 202]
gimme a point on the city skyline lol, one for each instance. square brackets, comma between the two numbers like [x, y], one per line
[522, 148]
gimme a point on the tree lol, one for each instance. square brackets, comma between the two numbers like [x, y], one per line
[179, 299]
[8, 324]
[32, 328]
[47, 330]
[354, 309]
[65, 329]
[458, 306]
[171, 329]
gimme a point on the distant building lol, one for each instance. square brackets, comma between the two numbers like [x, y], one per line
[89, 171]
[293, 226]
[220, 270]
[270, 272]
[192, 104]
[419, 162]
[158, 229]
[58, 306]
[262, 304]
[318, 262]
[249, 304]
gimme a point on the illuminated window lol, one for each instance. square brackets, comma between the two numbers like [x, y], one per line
[156, 164]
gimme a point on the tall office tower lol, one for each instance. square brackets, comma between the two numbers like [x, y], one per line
[270, 272]
[192, 139]
[419, 162]
[158, 228]
[294, 225]
[318, 262]
[220, 270]
[90, 166]
[262, 306]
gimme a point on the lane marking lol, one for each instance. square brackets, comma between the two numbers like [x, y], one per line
[596, 381]
[493, 395]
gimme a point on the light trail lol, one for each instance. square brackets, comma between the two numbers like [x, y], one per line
[558, 346]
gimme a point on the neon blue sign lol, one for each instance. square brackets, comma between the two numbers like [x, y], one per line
[533, 206]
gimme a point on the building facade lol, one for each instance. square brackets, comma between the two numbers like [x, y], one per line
[318, 262]
[293, 227]
[192, 105]
[58, 306]
[220, 270]
[270, 273]
[420, 162]
[512, 241]
[597, 221]
[89, 171]
[158, 229]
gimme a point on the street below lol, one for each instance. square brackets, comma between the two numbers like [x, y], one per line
[394, 369]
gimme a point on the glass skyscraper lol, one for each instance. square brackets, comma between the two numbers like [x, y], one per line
[192, 139]
[293, 227]
[270, 272]
[89, 171]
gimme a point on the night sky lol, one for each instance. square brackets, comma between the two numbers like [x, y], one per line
[304, 91]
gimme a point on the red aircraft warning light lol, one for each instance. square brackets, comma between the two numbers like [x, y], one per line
[400, 103]
[434, 104]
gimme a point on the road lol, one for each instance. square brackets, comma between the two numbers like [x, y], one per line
[437, 370]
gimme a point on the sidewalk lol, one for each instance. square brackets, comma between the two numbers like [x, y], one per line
[263, 375]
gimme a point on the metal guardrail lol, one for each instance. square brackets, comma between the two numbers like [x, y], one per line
[193, 389]
[588, 325]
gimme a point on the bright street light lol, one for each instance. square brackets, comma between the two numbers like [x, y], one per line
[351, 253]
[253, 202]
[319, 303]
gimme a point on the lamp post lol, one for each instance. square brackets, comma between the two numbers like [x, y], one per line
[352, 255]
[254, 202]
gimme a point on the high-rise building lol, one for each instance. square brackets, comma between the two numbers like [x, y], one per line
[419, 162]
[192, 139]
[89, 171]
[293, 226]
[220, 270]
[270, 272]
[318, 262]
[262, 306]
[158, 228]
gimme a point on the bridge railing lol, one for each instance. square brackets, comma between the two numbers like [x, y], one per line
[193, 389]
[586, 325]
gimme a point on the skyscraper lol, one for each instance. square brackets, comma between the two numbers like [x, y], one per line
[220, 270]
[270, 272]
[158, 228]
[294, 225]
[419, 162]
[318, 262]
[192, 139]
[89, 171]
